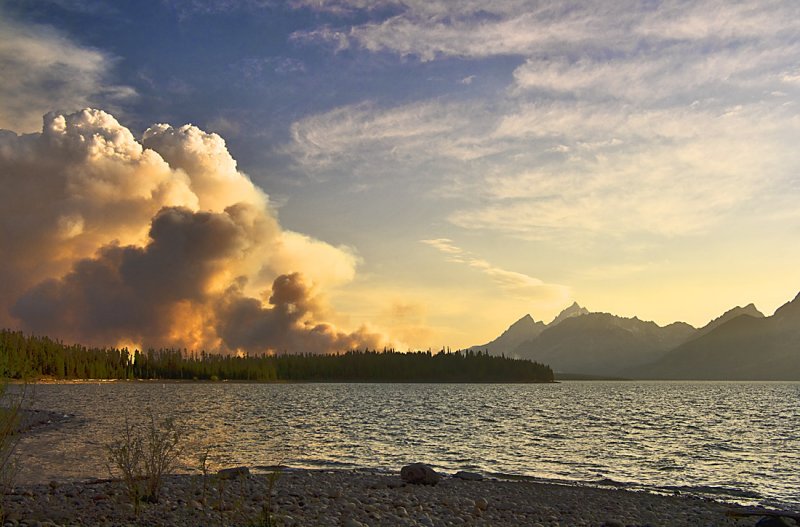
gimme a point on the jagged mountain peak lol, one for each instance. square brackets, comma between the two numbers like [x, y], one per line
[523, 329]
[750, 310]
[524, 325]
[575, 310]
[524, 321]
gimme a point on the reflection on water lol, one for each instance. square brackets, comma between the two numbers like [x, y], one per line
[734, 440]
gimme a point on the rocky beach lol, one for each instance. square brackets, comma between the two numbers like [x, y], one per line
[358, 498]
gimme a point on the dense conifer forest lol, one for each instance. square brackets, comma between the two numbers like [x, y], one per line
[32, 357]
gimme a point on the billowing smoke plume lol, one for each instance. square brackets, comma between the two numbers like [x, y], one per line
[107, 241]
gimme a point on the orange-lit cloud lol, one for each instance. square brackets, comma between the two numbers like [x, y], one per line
[161, 242]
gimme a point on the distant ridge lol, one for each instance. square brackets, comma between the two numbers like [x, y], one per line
[745, 347]
[602, 344]
[742, 343]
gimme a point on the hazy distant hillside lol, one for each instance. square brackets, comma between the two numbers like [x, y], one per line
[744, 347]
[749, 309]
[602, 344]
[740, 344]
[520, 331]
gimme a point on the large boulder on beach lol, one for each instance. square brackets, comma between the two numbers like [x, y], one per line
[419, 474]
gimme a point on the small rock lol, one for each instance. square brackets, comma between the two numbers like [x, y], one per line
[350, 522]
[481, 504]
[419, 474]
[334, 493]
[233, 472]
[469, 476]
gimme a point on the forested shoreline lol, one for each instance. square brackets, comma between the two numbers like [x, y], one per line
[34, 357]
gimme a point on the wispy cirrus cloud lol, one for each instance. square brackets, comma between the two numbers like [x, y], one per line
[545, 170]
[410, 141]
[620, 118]
[511, 282]
[675, 74]
[44, 70]
[483, 28]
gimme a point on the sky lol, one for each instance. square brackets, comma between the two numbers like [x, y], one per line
[255, 175]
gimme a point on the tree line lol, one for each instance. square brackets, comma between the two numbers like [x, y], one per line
[29, 357]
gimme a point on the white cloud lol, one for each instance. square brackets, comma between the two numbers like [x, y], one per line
[43, 69]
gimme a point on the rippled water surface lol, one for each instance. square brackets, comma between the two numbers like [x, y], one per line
[734, 441]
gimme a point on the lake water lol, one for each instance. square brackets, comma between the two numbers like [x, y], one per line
[732, 441]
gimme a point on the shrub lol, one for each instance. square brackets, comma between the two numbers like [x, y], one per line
[126, 456]
[144, 455]
[162, 448]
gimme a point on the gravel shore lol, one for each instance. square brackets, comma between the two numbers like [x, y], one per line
[356, 498]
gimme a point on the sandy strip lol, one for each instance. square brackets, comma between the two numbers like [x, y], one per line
[355, 498]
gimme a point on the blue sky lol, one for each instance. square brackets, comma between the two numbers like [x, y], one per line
[473, 161]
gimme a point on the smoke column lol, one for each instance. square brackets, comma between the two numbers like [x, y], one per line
[107, 240]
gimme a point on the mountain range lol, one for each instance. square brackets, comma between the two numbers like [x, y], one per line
[741, 343]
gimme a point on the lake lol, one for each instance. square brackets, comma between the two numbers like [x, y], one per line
[734, 441]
